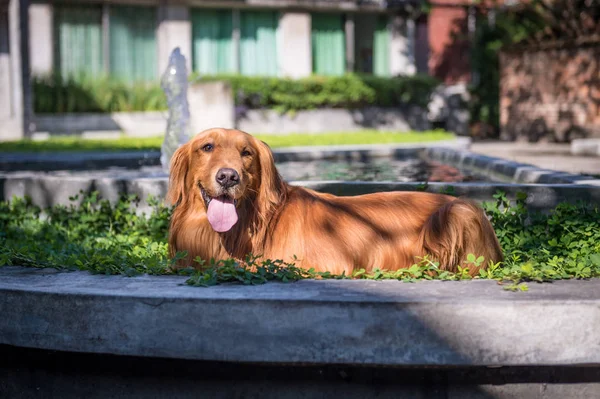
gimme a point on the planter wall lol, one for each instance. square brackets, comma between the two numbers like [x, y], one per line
[221, 115]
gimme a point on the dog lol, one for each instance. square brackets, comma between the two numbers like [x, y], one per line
[231, 201]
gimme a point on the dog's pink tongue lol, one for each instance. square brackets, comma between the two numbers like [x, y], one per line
[222, 214]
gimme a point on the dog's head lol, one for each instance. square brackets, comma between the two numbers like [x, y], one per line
[219, 169]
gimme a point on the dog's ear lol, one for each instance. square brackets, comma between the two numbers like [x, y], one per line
[180, 163]
[272, 189]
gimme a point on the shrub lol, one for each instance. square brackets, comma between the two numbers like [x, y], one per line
[564, 243]
[94, 236]
[55, 94]
[348, 91]
[402, 90]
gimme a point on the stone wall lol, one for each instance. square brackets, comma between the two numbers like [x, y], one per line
[550, 94]
[101, 125]
[333, 120]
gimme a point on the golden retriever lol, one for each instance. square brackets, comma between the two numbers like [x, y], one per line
[230, 201]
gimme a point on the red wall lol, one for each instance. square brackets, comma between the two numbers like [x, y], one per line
[448, 44]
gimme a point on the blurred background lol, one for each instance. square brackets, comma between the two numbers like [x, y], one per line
[510, 70]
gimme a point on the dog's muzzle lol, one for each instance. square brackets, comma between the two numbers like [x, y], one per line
[227, 177]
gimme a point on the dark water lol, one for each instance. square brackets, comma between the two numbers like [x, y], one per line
[406, 170]
[411, 170]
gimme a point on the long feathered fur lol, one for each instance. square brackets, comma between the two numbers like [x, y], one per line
[325, 232]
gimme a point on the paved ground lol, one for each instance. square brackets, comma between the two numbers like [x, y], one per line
[544, 155]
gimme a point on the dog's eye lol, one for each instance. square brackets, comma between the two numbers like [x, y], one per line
[207, 148]
[246, 153]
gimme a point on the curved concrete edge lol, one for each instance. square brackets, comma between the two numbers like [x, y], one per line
[589, 146]
[540, 197]
[348, 322]
[77, 161]
[134, 159]
[549, 187]
[47, 191]
[503, 170]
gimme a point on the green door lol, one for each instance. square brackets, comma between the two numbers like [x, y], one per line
[133, 43]
[328, 44]
[381, 48]
[258, 43]
[78, 43]
[212, 42]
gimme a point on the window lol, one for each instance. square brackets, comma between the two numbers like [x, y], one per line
[212, 42]
[80, 47]
[381, 48]
[133, 43]
[258, 43]
[372, 44]
[328, 44]
[215, 42]
[78, 41]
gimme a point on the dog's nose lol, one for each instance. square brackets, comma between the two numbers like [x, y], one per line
[227, 177]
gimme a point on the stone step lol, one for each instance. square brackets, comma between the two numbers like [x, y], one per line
[343, 322]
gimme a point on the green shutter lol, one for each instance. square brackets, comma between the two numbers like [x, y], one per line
[212, 42]
[381, 48]
[258, 43]
[328, 44]
[133, 43]
[78, 43]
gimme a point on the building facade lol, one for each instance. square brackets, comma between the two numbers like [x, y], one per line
[132, 40]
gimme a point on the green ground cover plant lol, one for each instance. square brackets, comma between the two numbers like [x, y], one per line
[116, 239]
[75, 144]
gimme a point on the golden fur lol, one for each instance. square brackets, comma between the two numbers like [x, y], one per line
[325, 232]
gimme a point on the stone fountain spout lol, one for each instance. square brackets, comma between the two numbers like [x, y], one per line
[174, 83]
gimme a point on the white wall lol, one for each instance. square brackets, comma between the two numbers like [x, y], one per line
[402, 53]
[5, 90]
[11, 88]
[174, 30]
[295, 52]
[40, 38]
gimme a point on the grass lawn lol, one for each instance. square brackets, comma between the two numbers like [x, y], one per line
[74, 144]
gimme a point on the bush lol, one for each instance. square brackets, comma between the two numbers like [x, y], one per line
[390, 92]
[564, 243]
[55, 94]
[349, 91]
[94, 236]
[113, 239]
